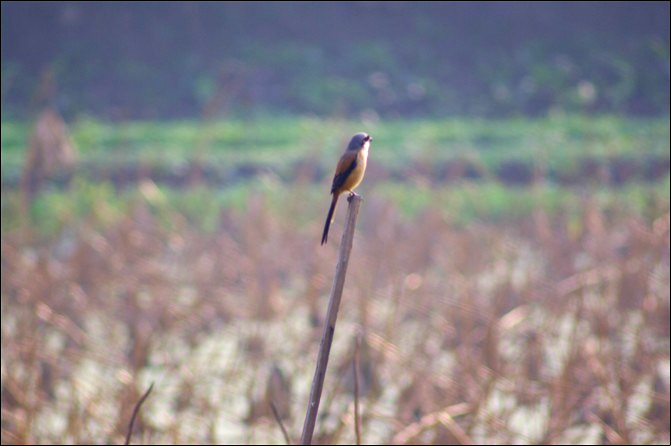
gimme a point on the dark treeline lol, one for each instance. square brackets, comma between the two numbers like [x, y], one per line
[187, 59]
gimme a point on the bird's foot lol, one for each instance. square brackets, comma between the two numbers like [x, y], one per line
[351, 195]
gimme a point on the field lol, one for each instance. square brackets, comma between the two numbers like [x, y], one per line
[509, 283]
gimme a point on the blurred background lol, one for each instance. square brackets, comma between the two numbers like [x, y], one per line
[165, 172]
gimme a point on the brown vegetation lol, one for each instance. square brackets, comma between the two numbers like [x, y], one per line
[50, 154]
[541, 331]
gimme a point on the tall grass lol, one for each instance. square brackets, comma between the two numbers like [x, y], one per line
[548, 327]
[489, 309]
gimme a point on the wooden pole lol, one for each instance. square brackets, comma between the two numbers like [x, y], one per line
[331, 316]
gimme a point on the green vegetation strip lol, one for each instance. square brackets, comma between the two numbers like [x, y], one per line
[101, 204]
[558, 142]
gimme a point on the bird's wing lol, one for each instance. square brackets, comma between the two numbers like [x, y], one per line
[346, 165]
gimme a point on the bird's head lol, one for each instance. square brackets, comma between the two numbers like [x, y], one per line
[359, 141]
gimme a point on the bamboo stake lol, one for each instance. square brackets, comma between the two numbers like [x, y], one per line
[354, 201]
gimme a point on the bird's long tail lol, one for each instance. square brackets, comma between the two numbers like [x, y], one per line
[329, 218]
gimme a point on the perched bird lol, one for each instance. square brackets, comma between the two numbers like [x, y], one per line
[348, 173]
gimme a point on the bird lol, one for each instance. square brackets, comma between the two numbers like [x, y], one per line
[348, 174]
